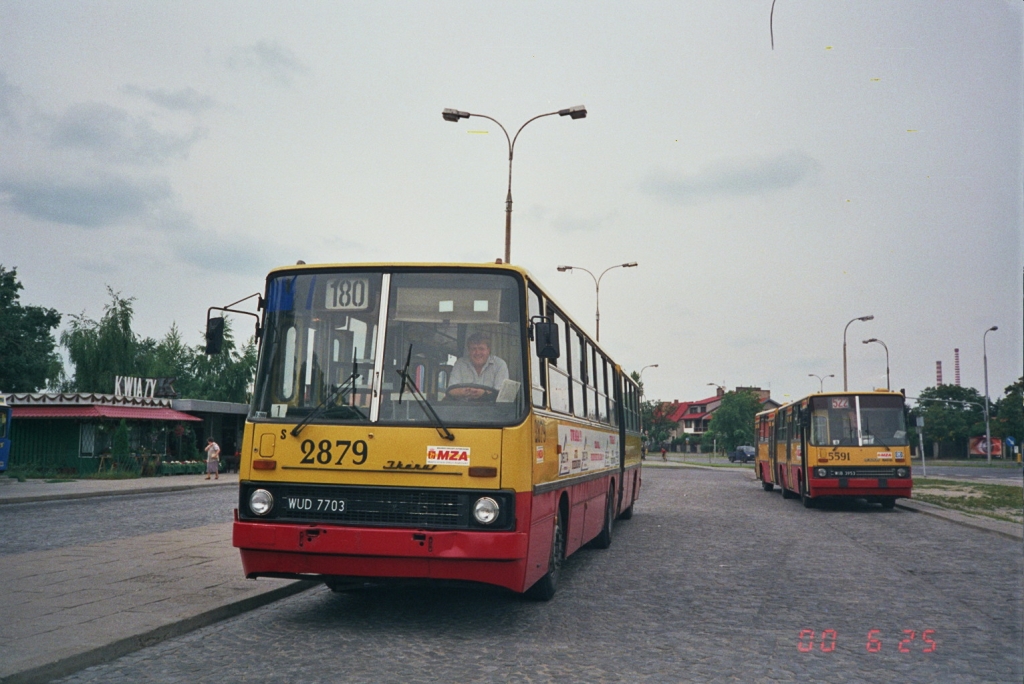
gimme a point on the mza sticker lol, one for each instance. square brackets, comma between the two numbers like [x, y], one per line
[458, 456]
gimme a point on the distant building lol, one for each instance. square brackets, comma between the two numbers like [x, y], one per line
[72, 433]
[694, 417]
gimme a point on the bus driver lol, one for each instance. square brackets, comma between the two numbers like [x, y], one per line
[477, 368]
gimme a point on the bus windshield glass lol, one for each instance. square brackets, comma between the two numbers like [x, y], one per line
[871, 420]
[451, 349]
[318, 347]
[456, 340]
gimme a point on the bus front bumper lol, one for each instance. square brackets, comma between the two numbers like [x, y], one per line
[861, 486]
[307, 551]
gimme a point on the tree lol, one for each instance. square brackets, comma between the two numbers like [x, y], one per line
[1009, 414]
[28, 349]
[655, 416]
[732, 423]
[226, 376]
[99, 351]
[951, 414]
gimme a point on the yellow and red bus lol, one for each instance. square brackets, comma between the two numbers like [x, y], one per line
[368, 456]
[843, 444]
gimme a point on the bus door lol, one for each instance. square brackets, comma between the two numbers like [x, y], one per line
[802, 425]
[773, 459]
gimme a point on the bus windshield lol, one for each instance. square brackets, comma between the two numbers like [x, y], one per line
[448, 348]
[871, 420]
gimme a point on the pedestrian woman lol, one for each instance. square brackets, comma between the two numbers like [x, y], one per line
[212, 459]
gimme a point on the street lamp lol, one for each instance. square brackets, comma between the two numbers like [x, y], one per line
[988, 431]
[875, 339]
[821, 380]
[453, 115]
[862, 318]
[597, 287]
[642, 394]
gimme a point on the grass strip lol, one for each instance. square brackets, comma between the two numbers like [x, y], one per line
[1001, 502]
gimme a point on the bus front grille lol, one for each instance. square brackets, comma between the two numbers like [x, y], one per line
[376, 506]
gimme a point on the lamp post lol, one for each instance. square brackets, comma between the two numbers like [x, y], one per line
[862, 318]
[578, 112]
[597, 288]
[875, 339]
[821, 380]
[642, 395]
[988, 431]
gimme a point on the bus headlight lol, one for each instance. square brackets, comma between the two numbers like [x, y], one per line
[822, 472]
[901, 472]
[486, 510]
[261, 501]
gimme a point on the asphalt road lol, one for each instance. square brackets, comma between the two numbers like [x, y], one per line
[712, 580]
[61, 524]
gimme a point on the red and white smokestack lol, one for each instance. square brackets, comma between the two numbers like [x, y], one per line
[938, 373]
[956, 366]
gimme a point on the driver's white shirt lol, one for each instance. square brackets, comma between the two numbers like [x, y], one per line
[493, 374]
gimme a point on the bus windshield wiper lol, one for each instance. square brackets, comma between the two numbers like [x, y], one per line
[338, 392]
[421, 400]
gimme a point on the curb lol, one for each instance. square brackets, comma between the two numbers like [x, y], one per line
[108, 652]
[108, 492]
[1003, 529]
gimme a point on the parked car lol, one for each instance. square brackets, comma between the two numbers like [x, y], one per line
[743, 454]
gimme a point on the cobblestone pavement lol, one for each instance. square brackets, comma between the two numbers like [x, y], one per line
[61, 524]
[712, 580]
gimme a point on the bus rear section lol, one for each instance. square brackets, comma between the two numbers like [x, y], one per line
[840, 445]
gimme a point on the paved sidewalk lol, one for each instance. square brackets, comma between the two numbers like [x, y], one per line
[65, 609]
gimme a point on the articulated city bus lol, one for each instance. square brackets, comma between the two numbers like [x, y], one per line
[445, 422]
[848, 444]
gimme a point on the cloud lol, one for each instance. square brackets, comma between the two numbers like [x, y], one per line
[112, 135]
[734, 178]
[8, 91]
[182, 100]
[272, 59]
[210, 252]
[91, 204]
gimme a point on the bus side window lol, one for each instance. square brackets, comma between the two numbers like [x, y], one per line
[538, 366]
[578, 366]
[558, 370]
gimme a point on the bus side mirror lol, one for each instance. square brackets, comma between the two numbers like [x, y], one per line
[214, 335]
[546, 335]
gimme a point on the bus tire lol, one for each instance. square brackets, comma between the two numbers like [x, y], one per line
[806, 499]
[767, 486]
[786, 494]
[888, 502]
[627, 513]
[545, 587]
[604, 538]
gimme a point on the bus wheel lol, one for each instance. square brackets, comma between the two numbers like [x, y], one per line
[767, 486]
[888, 502]
[626, 514]
[806, 499]
[604, 539]
[545, 587]
[786, 494]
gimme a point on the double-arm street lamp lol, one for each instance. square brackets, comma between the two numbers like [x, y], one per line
[988, 431]
[597, 288]
[821, 380]
[862, 318]
[578, 112]
[875, 339]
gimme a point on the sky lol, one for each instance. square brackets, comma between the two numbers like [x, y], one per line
[870, 163]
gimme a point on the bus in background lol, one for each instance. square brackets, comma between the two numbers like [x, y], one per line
[5, 433]
[846, 444]
[446, 422]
